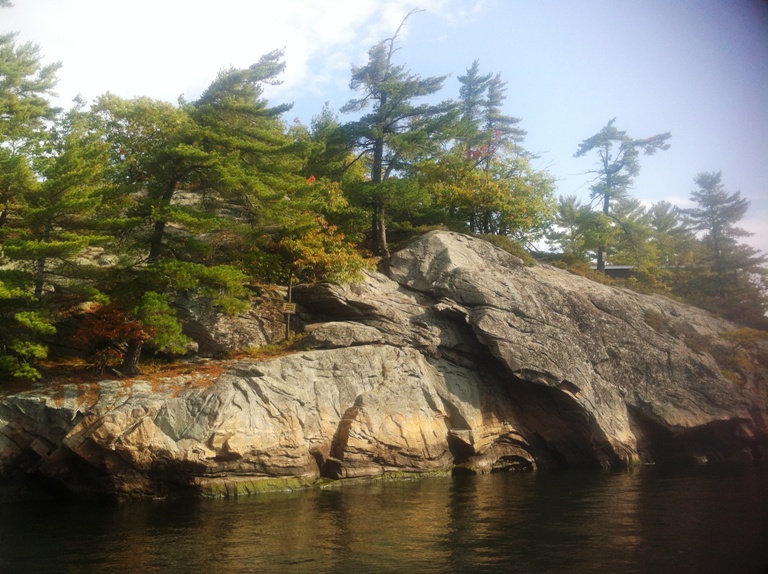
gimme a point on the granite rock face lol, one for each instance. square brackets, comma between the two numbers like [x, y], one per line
[458, 358]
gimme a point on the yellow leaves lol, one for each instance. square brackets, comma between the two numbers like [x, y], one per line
[322, 254]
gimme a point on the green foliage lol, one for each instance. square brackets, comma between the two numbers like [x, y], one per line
[272, 350]
[22, 325]
[742, 354]
[146, 295]
[396, 132]
[54, 223]
[321, 254]
[747, 337]
[617, 167]
[569, 227]
[508, 198]
[156, 316]
[726, 277]
[716, 214]
[25, 84]
[483, 130]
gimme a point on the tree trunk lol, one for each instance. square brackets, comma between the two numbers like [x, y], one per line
[130, 366]
[39, 278]
[379, 231]
[381, 234]
[606, 210]
[378, 225]
[156, 240]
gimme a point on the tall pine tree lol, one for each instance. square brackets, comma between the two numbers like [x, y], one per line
[618, 165]
[396, 132]
[730, 273]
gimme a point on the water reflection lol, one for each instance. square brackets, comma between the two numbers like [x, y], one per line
[697, 520]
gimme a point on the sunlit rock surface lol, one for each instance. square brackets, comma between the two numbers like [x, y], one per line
[460, 358]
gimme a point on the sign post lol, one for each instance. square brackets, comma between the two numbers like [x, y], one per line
[289, 308]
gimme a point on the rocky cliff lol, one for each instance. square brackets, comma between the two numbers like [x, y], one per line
[459, 357]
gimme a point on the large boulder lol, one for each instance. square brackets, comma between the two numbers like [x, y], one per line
[624, 361]
[460, 358]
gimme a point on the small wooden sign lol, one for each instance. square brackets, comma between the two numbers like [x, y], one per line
[289, 308]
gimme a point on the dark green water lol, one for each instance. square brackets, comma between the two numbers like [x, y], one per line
[703, 519]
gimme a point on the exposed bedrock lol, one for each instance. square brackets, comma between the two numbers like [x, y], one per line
[459, 358]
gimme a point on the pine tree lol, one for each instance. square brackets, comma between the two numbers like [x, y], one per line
[396, 132]
[617, 167]
[210, 190]
[569, 228]
[730, 271]
[485, 130]
[25, 84]
[674, 242]
[56, 221]
[472, 103]
[485, 183]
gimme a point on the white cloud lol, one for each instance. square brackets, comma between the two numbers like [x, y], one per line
[165, 48]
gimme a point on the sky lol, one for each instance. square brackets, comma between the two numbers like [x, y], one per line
[695, 68]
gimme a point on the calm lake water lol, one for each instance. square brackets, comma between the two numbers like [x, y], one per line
[703, 519]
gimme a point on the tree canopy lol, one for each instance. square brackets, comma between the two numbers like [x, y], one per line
[126, 209]
[396, 132]
[618, 164]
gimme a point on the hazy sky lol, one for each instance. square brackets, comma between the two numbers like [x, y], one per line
[696, 68]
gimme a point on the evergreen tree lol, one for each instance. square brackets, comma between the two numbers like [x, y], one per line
[617, 167]
[472, 103]
[485, 130]
[328, 151]
[212, 190]
[569, 228]
[716, 215]
[329, 170]
[485, 183]
[179, 170]
[252, 160]
[57, 220]
[396, 132]
[731, 274]
[25, 85]
[632, 241]
[675, 244]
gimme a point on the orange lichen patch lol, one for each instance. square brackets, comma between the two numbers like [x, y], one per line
[68, 370]
[58, 395]
[171, 379]
[83, 393]
[88, 393]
